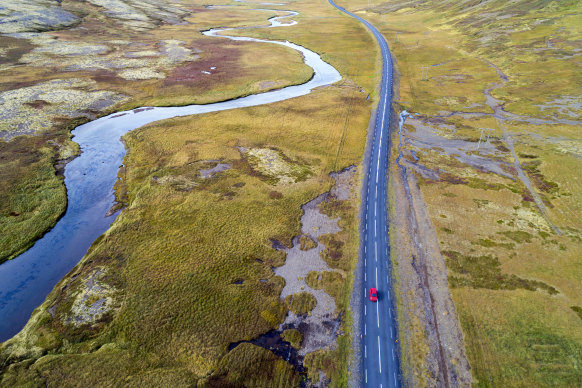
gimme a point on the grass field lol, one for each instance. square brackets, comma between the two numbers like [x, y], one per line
[186, 269]
[514, 271]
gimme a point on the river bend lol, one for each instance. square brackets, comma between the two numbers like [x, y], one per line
[27, 280]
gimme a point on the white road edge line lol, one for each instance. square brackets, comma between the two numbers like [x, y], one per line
[379, 356]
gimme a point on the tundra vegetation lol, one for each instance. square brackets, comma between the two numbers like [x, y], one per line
[54, 78]
[493, 140]
[186, 269]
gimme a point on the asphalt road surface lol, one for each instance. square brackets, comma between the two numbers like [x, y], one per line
[380, 361]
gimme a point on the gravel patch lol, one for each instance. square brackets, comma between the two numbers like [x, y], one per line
[210, 172]
[320, 328]
[427, 137]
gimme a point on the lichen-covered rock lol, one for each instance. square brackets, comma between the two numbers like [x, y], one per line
[47, 15]
[34, 15]
[118, 56]
[141, 14]
[93, 300]
[179, 182]
[34, 108]
[141, 73]
[275, 166]
[175, 52]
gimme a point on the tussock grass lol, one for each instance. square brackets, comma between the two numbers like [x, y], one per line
[307, 243]
[33, 195]
[301, 303]
[293, 336]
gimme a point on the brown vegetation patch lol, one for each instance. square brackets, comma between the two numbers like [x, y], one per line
[333, 249]
[14, 49]
[224, 57]
[538, 179]
[275, 195]
[485, 272]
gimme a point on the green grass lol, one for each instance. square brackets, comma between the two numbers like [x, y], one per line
[514, 343]
[33, 195]
[485, 272]
[293, 336]
[301, 303]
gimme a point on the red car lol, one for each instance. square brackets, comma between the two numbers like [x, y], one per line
[373, 294]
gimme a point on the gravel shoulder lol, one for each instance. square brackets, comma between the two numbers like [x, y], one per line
[432, 343]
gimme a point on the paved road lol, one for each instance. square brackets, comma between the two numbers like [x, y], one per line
[380, 361]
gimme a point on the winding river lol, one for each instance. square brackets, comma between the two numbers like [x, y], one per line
[27, 280]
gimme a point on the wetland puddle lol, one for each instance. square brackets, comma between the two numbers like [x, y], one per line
[320, 327]
[27, 280]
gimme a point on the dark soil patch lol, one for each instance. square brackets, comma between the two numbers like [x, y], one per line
[37, 104]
